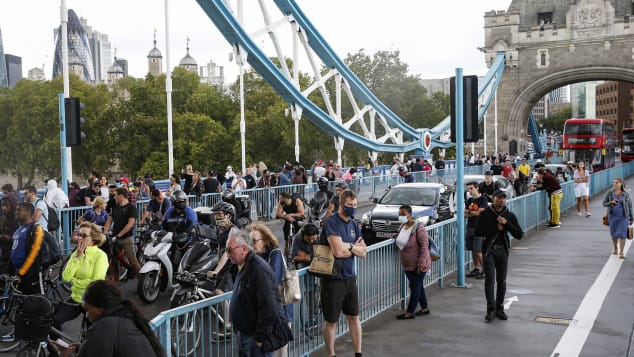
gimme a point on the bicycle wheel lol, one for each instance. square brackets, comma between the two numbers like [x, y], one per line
[187, 331]
[8, 346]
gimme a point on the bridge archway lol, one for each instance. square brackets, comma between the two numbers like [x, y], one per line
[524, 102]
[550, 44]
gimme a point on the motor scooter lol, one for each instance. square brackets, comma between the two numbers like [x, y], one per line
[162, 254]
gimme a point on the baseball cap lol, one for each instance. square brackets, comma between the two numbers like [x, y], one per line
[499, 193]
[124, 180]
[342, 185]
[538, 160]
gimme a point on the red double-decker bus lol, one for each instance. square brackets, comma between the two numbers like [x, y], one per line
[627, 144]
[590, 140]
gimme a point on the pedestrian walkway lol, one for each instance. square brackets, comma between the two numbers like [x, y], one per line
[554, 276]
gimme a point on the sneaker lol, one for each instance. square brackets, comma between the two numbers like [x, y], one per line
[554, 226]
[474, 273]
[579, 214]
[10, 337]
[481, 276]
[588, 214]
[500, 314]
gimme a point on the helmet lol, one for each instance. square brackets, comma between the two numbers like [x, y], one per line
[228, 195]
[179, 199]
[224, 207]
[322, 183]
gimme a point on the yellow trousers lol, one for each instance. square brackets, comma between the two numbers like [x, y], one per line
[555, 200]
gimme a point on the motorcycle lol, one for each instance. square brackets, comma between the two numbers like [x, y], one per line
[318, 207]
[162, 253]
[193, 285]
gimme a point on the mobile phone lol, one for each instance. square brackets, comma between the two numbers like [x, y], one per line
[62, 343]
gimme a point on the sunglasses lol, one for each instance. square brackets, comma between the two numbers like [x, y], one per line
[230, 249]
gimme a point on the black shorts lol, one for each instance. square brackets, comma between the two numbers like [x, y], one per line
[337, 296]
[472, 242]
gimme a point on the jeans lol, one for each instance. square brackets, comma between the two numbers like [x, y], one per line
[248, 348]
[495, 267]
[555, 200]
[417, 289]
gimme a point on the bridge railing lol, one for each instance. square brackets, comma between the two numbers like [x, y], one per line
[381, 281]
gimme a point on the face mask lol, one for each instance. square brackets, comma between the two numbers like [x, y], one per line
[349, 211]
[402, 219]
[221, 222]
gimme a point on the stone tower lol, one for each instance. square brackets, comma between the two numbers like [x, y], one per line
[155, 60]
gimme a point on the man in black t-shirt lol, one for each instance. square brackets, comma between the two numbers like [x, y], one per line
[496, 168]
[211, 183]
[474, 205]
[122, 222]
[487, 187]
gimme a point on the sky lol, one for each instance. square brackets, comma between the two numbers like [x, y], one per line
[432, 37]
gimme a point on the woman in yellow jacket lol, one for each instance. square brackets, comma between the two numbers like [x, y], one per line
[88, 263]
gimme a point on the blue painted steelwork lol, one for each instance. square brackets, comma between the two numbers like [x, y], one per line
[534, 132]
[235, 34]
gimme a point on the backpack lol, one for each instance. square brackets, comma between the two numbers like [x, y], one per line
[50, 251]
[52, 222]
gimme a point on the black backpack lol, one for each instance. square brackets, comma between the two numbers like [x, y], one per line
[80, 197]
[52, 222]
[50, 251]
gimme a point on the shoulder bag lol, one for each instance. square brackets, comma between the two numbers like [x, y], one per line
[324, 263]
[291, 292]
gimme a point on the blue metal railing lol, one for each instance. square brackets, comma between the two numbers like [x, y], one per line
[381, 281]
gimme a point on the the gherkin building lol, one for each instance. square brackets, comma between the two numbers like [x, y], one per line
[79, 56]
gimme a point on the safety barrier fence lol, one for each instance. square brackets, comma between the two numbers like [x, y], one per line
[381, 283]
[263, 201]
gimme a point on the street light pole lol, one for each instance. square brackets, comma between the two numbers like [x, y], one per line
[168, 91]
[66, 152]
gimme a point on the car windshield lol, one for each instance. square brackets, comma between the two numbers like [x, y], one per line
[410, 196]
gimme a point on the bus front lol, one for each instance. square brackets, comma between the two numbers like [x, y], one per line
[627, 145]
[583, 141]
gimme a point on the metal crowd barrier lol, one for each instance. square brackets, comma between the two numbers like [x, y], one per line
[381, 282]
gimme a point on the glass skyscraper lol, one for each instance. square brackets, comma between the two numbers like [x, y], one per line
[79, 55]
[4, 78]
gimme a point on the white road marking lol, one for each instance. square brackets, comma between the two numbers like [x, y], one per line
[571, 343]
[509, 301]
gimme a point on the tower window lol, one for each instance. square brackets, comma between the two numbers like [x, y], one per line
[542, 59]
[544, 18]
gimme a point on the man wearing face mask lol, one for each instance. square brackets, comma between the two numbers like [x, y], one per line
[341, 294]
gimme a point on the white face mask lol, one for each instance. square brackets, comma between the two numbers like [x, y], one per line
[402, 219]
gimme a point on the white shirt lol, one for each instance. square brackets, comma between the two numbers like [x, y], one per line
[56, 198]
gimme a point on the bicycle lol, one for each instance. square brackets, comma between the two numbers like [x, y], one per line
[7, 311]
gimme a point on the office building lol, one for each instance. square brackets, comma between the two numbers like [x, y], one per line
[613, 101]
[80, 59]
[14, 69]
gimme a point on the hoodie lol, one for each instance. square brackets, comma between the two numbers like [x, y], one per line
[55, 197]
[8, 225]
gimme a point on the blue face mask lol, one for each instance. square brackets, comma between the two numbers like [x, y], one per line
[402, 219]
[349, 211]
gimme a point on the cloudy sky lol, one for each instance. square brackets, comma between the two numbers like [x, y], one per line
[434, 37]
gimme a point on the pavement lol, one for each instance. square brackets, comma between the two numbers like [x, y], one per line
[555, 275]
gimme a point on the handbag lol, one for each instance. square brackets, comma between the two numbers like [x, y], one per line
[291, 292]
[324, 264]
[434, 253]
[605, 220]
[630, 232]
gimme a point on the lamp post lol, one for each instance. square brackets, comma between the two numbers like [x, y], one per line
[168, 92]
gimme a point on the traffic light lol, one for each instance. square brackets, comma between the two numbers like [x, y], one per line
[74, 121]
[470, 108]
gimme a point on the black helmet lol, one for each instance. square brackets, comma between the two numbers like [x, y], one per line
[224, 207]
[322, 183]
[228, 195]
[310, 229]
[179, 199]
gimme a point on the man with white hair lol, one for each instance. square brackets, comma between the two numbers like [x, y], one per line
[55, 196]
